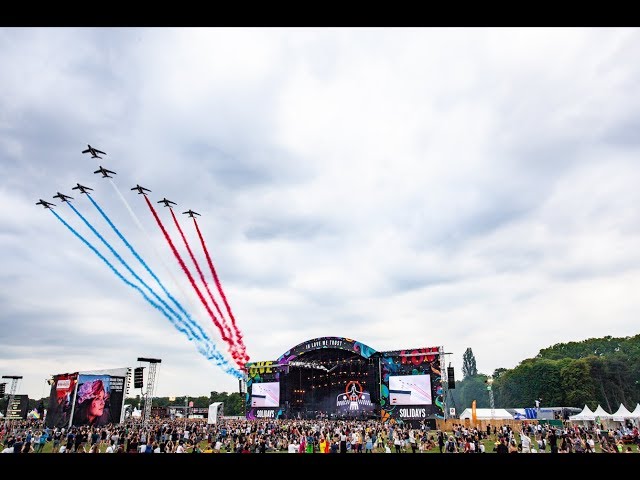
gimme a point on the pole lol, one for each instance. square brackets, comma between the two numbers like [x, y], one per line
[491, 402]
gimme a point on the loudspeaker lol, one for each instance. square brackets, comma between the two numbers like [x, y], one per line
[138, 379]
[451, 381]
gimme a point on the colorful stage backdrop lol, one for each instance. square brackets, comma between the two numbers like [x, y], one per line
[337, 377]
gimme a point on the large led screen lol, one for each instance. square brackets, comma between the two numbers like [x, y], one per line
[410, 390]
[265, 394]
[98, 400]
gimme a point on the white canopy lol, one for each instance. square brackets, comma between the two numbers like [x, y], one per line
[602, 413]
[485, 414]
[622, 414]
[585, 415]
[636, 411]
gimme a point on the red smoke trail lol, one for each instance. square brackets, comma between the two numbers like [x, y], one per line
[224, 298]
[204, 282]
[193, 284]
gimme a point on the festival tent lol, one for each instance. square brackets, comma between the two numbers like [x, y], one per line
[601, 414]
[622, 414]
[485, 414]
[635, 415]
[586, 415]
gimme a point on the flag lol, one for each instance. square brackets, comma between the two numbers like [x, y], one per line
[474, 415]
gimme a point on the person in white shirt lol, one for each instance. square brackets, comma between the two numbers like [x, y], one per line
[7, 449]
[180, 448]
[526, 442]
[110, 448]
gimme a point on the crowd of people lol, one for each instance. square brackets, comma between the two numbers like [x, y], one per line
[308, 436]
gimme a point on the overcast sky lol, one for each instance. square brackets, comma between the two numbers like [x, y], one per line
[403, 187]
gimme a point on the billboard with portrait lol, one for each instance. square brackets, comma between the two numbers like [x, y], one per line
[98, 399]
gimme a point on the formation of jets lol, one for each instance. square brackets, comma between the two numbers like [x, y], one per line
[45, 204]
[93, 151]
[167, 202]
[140, 189]
[105, 172]
[62, 197]
[82, 188]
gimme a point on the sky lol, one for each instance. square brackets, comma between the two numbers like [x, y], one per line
[403, 187]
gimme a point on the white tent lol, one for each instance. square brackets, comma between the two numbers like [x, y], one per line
[636, 411]
[485, 414]
[585, 415]
[602, 414]
[622, 414]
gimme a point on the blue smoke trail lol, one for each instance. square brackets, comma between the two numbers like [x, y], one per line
[209, 353]
[142, 262]
[126, 265]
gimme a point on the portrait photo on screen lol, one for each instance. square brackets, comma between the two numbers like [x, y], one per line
[410, 390]
[93, 406]
[265, 394]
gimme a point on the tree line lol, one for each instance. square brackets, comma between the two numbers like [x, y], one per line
[597, 371]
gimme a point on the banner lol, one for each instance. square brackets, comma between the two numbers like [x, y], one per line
[61, 400]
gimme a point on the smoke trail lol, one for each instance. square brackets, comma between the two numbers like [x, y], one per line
[220, 360]
[193, 284]
[158, 256]
[126, 265]
[195, 262]
[224, 298]
[143, 263]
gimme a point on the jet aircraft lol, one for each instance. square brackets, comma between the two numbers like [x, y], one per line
[63, 197]
[140, 189]
[82, 188]
[93, 151]
[191, 213]
[104, 172]
[167, 202]
[45, 204]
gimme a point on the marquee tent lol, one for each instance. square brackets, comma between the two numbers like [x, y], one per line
[636, 411]
[601, 414]
[622, 414]
[585, 415]
[485, 414]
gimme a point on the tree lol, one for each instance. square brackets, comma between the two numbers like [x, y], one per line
[469, 368]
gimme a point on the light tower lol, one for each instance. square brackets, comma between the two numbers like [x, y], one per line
[151, 379]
